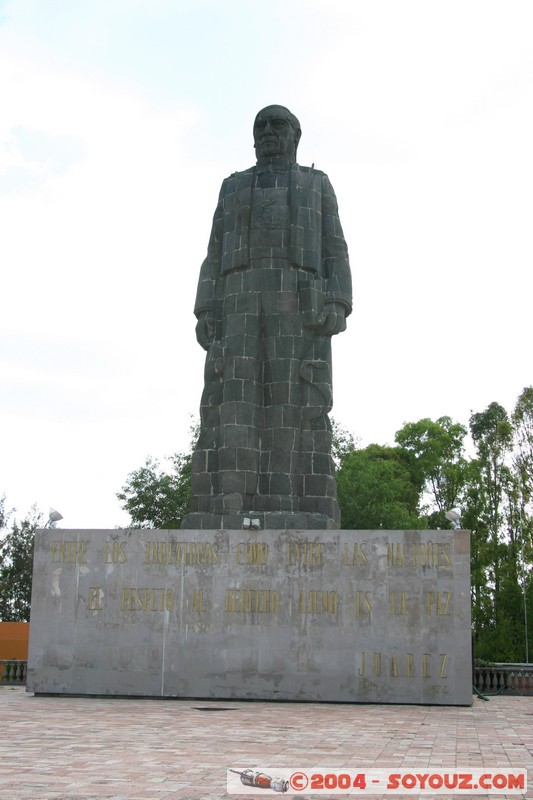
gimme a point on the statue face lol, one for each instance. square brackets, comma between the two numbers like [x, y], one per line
[274, 135]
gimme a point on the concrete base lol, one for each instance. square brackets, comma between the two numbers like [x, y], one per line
[354, 616]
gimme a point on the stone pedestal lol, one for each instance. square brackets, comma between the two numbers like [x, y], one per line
[354, 616]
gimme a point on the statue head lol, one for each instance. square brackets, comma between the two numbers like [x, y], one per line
[276, 133]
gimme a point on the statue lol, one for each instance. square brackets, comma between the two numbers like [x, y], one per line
[274, 288]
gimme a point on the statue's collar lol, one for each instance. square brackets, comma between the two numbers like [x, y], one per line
[274, 164]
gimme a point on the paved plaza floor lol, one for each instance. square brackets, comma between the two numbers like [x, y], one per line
[69, 748]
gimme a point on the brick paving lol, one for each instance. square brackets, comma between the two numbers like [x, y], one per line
[82, 748]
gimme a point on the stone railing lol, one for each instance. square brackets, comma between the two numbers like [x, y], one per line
[496, 679]
[508, 678]
[12, 672]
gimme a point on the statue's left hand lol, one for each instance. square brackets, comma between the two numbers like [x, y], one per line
[205, 329]
[334, 319]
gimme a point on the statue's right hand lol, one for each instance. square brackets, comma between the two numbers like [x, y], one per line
[205, 329]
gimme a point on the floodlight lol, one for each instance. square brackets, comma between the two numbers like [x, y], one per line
[454, 515]
[53, 518]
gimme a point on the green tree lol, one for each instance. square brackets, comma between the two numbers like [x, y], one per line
[376, 490]
[522, 419]
[498, 634]
[157, 499]
[492, 434]
[473, 519]
[16, 564]
[343, 442]
[435, 454]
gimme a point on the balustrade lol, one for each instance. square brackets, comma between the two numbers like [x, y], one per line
[13, 672]
[508, 678]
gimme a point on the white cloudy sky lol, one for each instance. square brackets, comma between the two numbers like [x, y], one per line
[118, 121]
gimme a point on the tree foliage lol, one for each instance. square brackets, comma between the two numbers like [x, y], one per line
[16, 564]
[522, 419]
[159, 498]
[498, 513]
[376, 490]
[435, 453]
[343, 442]
[155, 498]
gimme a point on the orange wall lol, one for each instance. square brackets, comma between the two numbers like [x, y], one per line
[14, 640]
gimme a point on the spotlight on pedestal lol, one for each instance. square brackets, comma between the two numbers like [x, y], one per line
[454, 515]
[53, 518]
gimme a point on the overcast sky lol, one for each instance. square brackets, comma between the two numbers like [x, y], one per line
[118, 121]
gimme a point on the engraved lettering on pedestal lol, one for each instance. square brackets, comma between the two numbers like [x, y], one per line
[199, 554]
[443, 659]
[445, 559]
[252, 601]
[318, 602]
[361, 670]
[395, 555]
[252, 553]
[198, 601]
[418, 554]
[439, 603]
[367, 687]
[425, 665]
[71, 552]
[354, 555]
[398, 603]
[362, 603]
[95, 598]
[133, 599]
[304, 554]
[426, 670]
[437, 689]
[395, 665]
[377, 664]
[115, 553]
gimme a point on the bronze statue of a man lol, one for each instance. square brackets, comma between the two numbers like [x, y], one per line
[274, 288]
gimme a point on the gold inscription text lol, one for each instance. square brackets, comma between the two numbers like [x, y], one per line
[198, 602]
[95, 599]
[252, 553]
[317, 602]
[398, 603]
[305, 554]
[418, 554]
[362, 603]
[181, 553]
[134, 599]
[115, 553]
[356, 556]
[399, 665]
[253, 601]
[69, 552]
[438, 603]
